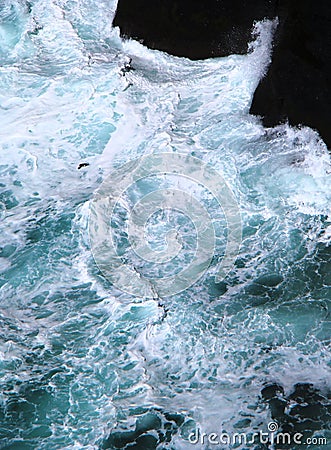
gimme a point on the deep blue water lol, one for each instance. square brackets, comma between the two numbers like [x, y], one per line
[84, 365]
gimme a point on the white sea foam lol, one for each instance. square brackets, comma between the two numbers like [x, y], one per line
[65, 101]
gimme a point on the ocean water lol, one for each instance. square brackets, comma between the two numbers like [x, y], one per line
[84, 365]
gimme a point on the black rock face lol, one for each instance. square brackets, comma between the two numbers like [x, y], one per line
[297, 86]
[304, 411]
[152, 428]
[193, 28]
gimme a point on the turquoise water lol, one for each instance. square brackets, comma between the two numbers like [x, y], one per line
[86, 366]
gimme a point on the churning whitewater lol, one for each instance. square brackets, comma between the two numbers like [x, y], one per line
[86, 365]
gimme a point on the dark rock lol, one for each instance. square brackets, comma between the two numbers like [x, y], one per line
[81, 165]
[271, 390]
[277, 408]
[305, 410]
[146, 442]
[151, 429]
[297, 86]
[148, 422]
[193, 28]
[305, 393]
[127, 67]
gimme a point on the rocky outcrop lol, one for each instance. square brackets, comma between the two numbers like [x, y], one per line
[305, 410]
[297, 86]
[193, 28]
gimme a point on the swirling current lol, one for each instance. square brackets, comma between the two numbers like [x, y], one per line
[87, 365]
